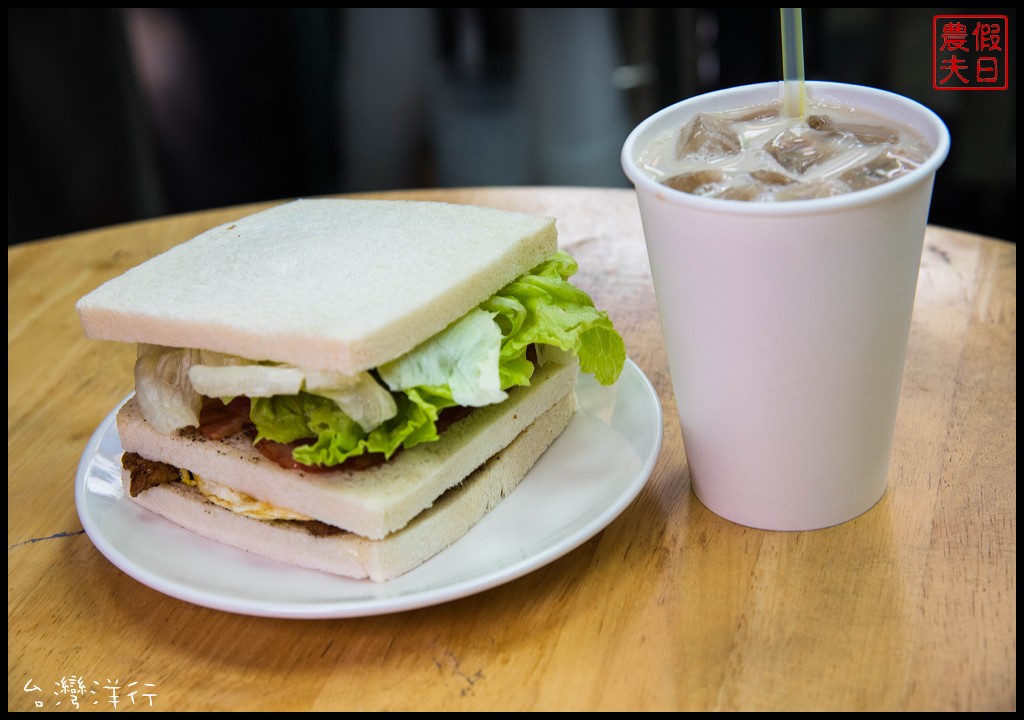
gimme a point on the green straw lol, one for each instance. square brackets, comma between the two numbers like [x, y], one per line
[792, 62]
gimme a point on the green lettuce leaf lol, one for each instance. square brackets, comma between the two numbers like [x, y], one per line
[165, 395]
[471, 363]
[287, 419]
[543, 308]
[461, 363]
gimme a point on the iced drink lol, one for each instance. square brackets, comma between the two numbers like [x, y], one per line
[758, 154]
[786, 323]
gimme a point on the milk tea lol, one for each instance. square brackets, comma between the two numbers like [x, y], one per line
[758, 154]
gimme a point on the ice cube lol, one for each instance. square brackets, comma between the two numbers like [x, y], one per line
[707, 136]
[797, 149]
[699, 182]
[767, 112]
[866, 134]
[810, 190]
[881, 168]
[771, 177]
[742, 189]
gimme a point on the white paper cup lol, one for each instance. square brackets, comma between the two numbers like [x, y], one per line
[786, 323]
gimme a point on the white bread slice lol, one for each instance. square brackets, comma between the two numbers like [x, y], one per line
[321, 283]
[432, 531]
[372, 502]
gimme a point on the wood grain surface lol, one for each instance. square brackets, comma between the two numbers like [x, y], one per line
[912, 606]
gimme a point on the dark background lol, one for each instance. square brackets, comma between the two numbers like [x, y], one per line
[121, 114]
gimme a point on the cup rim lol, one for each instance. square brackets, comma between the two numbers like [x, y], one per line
[929, 123]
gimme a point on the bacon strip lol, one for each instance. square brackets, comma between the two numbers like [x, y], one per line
[147, 473]
[217, 420]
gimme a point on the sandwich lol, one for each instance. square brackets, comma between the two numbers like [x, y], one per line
[349, 385]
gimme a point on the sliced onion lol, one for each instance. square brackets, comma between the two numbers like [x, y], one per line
[248, 380]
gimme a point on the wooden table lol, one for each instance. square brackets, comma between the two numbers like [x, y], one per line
[909, 607]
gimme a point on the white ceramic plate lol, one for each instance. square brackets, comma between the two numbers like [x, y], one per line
[592, 472]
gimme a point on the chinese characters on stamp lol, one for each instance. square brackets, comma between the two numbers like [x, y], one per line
[969, 52]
